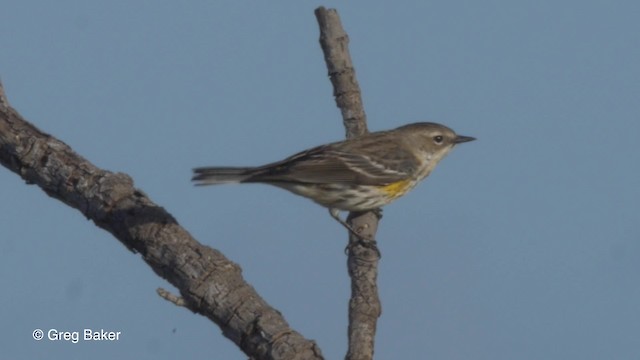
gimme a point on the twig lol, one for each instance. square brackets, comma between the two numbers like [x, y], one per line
[175, 299]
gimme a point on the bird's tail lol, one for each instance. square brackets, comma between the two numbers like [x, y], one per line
[221, 175]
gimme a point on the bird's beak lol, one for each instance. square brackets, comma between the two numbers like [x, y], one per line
[460, 139]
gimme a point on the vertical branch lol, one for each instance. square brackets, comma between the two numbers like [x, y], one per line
[335, 46]
[364, 305]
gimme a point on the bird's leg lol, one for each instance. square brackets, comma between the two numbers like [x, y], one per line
[365, 241]
[335, 213]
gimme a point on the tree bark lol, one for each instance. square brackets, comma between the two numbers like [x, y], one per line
[209, 283]
[363, 256]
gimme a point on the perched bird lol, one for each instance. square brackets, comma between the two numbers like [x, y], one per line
[358, 174]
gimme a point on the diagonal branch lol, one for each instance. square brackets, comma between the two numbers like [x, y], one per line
[209, 283]
[364, 305]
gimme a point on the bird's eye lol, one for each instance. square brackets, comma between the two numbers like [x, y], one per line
[438, 139]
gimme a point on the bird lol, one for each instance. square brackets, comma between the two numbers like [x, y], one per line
[357, 174]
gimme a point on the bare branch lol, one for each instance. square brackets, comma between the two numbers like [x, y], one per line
[209, 283]
[364, 305]
[335, 46]
[167, 295]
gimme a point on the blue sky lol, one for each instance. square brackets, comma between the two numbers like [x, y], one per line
[521, 245]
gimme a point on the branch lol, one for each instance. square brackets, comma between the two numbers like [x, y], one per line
[209, 283]
[364, 305]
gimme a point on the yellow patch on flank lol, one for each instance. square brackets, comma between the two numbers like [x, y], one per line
[398, 188]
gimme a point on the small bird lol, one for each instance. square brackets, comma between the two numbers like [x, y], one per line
[358, 174]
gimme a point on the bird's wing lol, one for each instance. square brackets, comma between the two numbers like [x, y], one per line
[376, 171]
[325, 164]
